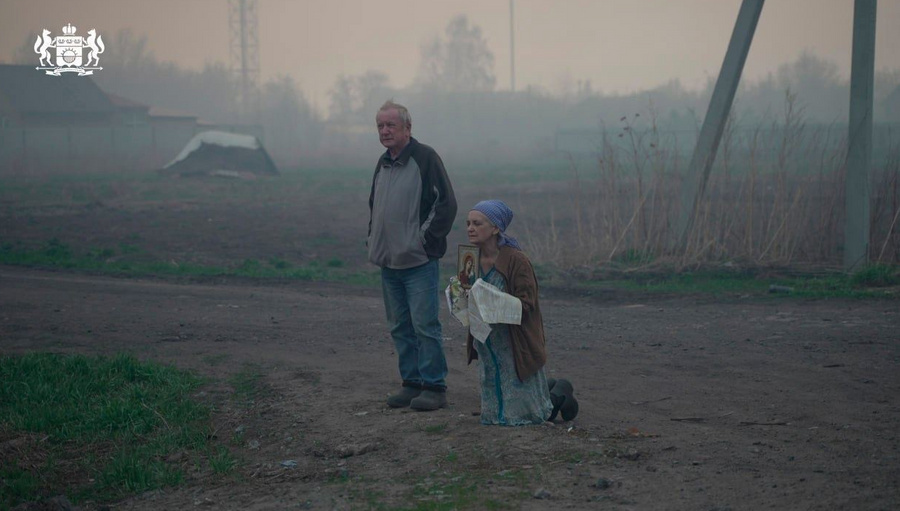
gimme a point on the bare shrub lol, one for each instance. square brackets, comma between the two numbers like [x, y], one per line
[775, 197]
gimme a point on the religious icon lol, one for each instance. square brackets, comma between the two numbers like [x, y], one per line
[467, 265]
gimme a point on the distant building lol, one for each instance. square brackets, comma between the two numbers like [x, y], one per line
[67, 123]
[129, 112]
[172, 118]
[30, 99]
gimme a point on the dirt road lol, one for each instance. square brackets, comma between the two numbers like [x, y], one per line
[686, 403]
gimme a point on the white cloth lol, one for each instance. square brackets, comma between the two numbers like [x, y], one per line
[494, 305]
[482, 305]
[457, 303]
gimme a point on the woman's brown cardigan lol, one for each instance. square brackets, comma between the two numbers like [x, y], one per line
[528, 346]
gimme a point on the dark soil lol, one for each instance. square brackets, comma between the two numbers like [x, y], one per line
[685, 402]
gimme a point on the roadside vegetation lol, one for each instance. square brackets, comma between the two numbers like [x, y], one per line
[125, 260]
[774, 198]
[875, 281]
[770, 221]
[97, 429]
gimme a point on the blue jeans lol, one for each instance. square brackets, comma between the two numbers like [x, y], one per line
[412, 303]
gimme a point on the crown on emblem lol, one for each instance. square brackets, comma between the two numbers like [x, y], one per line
[68, 29]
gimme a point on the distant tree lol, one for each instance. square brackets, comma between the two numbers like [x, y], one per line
[460, 62]
[131, 70]
[342, 98]
[25, 54]
[808, 72]
[288, 120]
[814, 84]
[130, 51]
[355, 99]
[821, 91]
[570, 90]
[886, 82]
[373, 89]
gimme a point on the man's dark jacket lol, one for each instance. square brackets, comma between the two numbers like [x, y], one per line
[405, 232]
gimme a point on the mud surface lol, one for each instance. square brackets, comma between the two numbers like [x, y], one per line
[686, 403]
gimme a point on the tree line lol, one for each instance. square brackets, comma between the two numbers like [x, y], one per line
[454, 98]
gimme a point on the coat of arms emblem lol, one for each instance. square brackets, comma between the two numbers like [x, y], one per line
[74, 53]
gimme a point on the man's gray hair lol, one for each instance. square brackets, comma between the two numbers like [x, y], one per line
[401, 110]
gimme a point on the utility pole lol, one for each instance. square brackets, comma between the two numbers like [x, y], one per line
[244, 52]
[859, 136]
[512, 47]
[716, 115]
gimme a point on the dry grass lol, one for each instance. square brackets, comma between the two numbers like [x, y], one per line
[775, 197]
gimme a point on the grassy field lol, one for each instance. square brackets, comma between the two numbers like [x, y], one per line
[100, 428]
[577, 224]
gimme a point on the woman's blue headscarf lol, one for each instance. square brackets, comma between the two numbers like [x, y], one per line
[500, 215]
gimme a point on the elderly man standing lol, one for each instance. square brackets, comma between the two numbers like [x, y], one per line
[411, 210]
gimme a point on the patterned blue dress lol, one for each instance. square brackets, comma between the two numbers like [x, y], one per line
[504, 399]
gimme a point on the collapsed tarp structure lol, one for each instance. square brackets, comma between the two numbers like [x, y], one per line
[218, 153]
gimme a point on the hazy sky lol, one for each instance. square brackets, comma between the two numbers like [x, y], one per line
[619, 45]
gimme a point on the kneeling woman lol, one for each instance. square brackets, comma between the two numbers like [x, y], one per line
[514, 389]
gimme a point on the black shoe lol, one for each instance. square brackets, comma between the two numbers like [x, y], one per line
[563, 398]
[429, 400]
[404, 397]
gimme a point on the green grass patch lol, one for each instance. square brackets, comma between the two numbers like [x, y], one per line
[435, 429]
[876, 275]
[78, 189]
[128, 260]
[278, 263]
[631, 257]
[872, 282]
[221, 461]
[687, 283]
[98, 428]
[460, 491]
[247, 384]
[450, 492]
[463, 487]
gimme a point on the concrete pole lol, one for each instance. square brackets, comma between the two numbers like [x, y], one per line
[716, 115]
[859, 136]
[512, 48]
